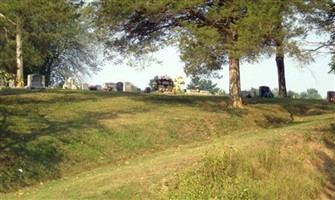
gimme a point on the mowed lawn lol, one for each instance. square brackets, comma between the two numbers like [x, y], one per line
[57, 144]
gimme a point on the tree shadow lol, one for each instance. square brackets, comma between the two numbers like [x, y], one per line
[215, 104]
[297, 107]
[328, 163]
[273, 121]
[32, 152]
[328, 168]
[53, 96]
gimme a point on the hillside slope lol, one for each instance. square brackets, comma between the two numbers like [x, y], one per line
[77, 145]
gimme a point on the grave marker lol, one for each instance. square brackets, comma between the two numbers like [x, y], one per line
[35, 81]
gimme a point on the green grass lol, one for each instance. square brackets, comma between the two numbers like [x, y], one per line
[92, 145]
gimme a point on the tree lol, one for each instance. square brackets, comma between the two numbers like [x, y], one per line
[51, 38]
[310, 94]
[292, 20]
[202, 84]
[329, 25]
[209, 33]
[292, 94]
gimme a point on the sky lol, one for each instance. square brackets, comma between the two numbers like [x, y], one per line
[264, 73]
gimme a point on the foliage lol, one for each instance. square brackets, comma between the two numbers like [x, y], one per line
[245, 174]
[209, 33]
[292, 94]
[202, 84]
[309, 94]
[56, 39]
[331, 43]
[178, 81]
[222, 92]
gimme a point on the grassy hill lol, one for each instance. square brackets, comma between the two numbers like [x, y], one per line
[92, 145]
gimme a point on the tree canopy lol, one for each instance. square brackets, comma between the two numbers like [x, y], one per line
[209, 33]
[55, 40]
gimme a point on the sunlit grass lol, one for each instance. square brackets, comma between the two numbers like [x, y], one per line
[124, 145]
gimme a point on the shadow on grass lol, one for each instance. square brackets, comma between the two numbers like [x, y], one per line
[297, 107]
[21, 96]
[32, 152]
[327, 166]
[25, 160]
[272, 121]
[214, 104]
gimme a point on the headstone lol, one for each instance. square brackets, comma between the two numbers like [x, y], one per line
[246, 94]
[197, 92]
[127, 87]
[119, 86]
[69, 83]
[84, 86]
[99, 87]
[164, 84]
[264, 91]
[35, 81]
[109, 86]
[331, 96]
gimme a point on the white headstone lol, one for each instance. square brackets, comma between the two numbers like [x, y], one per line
[84, 86]
[127, 87]
[69, 84]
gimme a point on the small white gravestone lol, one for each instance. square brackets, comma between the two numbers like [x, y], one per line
[127, 87]
[84, 86]
[69, 84]
[35, 81]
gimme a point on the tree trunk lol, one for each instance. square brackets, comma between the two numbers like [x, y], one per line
[235, 95]
[19, 56]
[281, 71]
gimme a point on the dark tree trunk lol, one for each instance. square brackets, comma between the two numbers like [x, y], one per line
[281, 71]
[235, 96]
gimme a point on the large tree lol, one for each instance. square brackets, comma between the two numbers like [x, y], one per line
[209, 33]
[50, 38]
[294, 20]
[329, 25]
